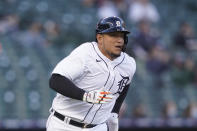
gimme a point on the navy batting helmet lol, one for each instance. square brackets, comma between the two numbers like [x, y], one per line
[112, 24]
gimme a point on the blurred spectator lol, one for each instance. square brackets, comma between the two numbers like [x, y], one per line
[32, 37]
[191, 111]
[158, 60]
[143, 10]
[185, 37]
[144, 39]
[52, 31]
[107, 8]
[170, 110]
[139, 111]
[89, 3]
[122, 7]
[182, 70]
[9, 23]
[157, 63]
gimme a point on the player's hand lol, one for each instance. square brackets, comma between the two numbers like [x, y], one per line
[112, 122]
[98, 97]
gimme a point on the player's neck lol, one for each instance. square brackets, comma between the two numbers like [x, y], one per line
[108, 54]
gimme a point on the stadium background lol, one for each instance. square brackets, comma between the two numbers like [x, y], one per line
[36, 34]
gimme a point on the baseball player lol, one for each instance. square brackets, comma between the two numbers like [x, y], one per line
[92, 82]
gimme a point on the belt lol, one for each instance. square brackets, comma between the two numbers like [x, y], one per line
[72, 122]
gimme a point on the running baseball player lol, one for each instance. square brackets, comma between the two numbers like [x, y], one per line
[92, 82]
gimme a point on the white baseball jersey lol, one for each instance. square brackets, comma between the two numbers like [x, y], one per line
[89, 69]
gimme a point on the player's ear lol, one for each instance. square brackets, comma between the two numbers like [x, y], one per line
[99, 37]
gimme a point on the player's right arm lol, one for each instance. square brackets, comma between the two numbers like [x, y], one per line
[67, 88]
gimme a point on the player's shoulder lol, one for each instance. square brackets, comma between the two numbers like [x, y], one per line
[130, 60]
[129, 63]
[86, 45]
[83, 48]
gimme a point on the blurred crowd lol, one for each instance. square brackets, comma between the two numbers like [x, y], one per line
[133, 10]
[178, 58]
[169, 111]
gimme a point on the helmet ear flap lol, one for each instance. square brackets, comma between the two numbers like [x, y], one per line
[125, 43]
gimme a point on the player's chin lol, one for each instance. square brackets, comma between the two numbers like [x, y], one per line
[116, 54]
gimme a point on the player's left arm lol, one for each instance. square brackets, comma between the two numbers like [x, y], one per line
[112, 122]
[120, 100]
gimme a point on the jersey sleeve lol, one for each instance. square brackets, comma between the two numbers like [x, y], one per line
[73, 66]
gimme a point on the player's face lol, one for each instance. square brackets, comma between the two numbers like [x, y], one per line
[111, 44]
